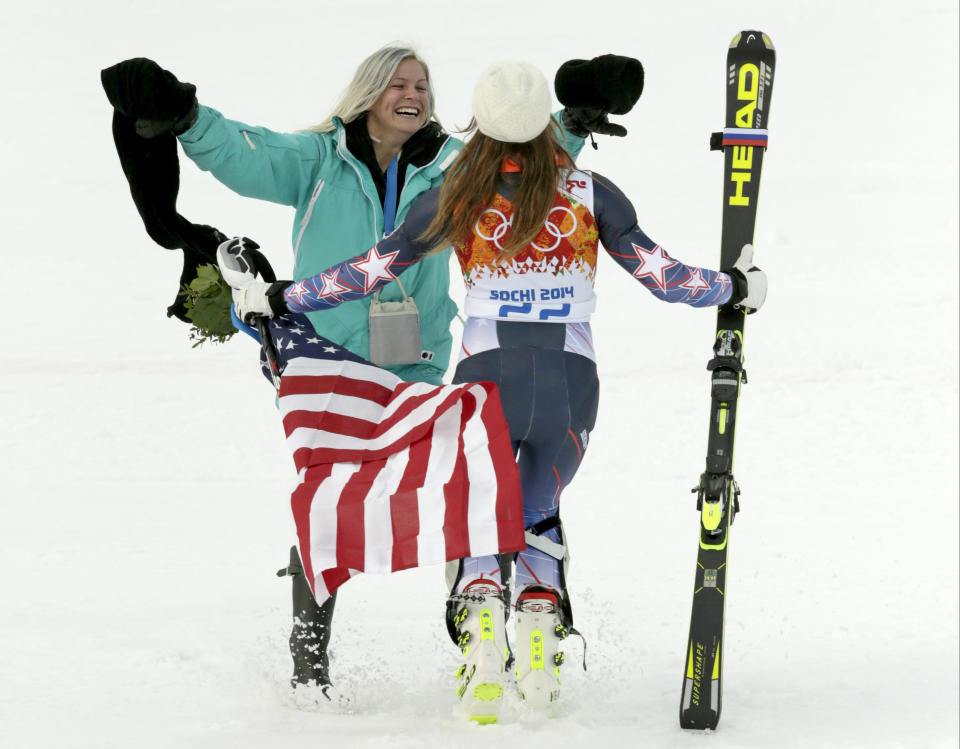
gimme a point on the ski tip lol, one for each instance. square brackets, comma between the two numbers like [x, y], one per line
[750, 37]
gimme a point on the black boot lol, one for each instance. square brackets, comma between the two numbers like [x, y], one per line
[311, 629]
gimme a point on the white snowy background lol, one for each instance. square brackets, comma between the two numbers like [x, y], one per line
[144, 483]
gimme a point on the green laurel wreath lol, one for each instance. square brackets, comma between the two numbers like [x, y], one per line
[207, 299]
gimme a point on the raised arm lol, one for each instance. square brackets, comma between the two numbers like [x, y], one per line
[666, 278]
[253, 161]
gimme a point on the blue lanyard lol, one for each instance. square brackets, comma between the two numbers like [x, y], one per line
[390, 199]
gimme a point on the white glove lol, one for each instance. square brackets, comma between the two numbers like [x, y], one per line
[240, 263]
[750, 283]
[260, 299]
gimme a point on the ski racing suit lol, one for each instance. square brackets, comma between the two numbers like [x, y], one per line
[528, 330]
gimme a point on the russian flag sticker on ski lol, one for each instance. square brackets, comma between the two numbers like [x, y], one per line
[744, 136]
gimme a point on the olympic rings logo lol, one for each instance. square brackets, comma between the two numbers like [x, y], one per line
[503, 224]
[499, 230]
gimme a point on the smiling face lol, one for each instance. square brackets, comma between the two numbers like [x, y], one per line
[402, 108]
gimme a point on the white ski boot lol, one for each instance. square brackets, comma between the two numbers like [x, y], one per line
[479, 621]
[539, 630]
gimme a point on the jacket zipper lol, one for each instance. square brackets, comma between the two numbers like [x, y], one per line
[373, 204]
[306, 216]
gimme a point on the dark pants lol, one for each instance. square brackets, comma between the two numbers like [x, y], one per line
[550, 399]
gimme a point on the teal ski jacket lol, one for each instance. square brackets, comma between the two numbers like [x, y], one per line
[338, 215]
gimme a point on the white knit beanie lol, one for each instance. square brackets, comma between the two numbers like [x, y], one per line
[511, 102]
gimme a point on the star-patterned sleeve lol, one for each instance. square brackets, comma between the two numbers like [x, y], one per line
[362, 275]
[666, 278]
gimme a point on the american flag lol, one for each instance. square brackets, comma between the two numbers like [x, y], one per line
[392, 474]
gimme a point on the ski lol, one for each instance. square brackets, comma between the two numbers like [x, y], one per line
[750, 63]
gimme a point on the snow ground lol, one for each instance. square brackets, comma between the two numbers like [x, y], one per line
[143, 483]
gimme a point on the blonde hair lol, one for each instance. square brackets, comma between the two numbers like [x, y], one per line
[371, 79]
[470, 185]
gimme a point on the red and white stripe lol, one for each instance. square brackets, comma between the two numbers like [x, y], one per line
[394, 475]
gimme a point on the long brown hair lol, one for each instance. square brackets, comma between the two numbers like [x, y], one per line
[471, 185]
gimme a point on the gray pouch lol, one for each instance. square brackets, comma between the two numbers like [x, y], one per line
[394, 331]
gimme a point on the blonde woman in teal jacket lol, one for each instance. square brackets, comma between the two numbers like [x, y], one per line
[337, 176]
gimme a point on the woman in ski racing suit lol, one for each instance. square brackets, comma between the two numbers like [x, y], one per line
[525, 225]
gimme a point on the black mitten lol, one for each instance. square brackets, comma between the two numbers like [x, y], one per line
[591, 89]
[612, 83]
[153, 97]
[147, 128]
[582, 121]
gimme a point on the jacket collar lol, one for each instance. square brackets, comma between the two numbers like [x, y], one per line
[422, 148]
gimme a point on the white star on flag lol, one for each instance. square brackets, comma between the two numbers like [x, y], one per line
[330, 349]
[331, 284]
[653, 263]
[374, 267]
[695, 283]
